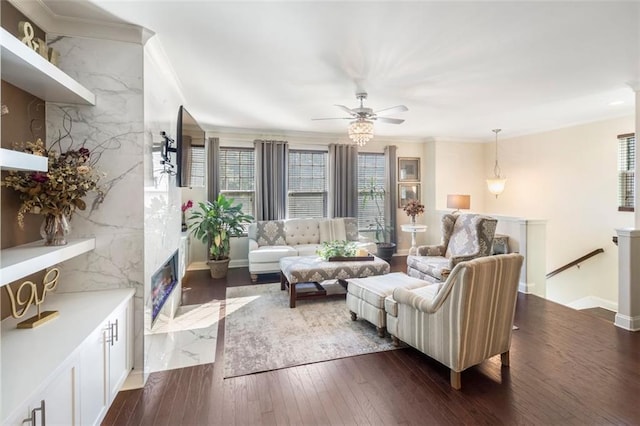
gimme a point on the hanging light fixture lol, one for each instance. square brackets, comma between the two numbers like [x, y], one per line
[361, 131]
[497, 182]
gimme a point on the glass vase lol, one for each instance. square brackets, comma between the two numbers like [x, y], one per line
[413, 220]
[54, 229]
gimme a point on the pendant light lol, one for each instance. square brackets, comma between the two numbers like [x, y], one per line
[497, 182]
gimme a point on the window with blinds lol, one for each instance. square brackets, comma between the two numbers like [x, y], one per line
[371, 174]
[197, 161]
[307, 186]
[237, 180]
[626, 171]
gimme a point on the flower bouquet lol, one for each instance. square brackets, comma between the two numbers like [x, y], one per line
[57, 193]
[413, 208]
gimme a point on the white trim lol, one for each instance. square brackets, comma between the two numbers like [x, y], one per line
[135, 380]
[106, 27]
[198, 266]
[593, 302]
[627, 323]
[526, 288]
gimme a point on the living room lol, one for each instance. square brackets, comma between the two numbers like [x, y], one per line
[560, 167]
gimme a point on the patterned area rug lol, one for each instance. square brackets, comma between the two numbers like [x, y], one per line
[262, 333]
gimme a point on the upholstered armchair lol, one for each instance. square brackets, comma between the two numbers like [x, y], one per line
[463, 321]
[464, 237]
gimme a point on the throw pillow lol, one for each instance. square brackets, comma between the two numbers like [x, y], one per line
[332, 230]
[270, 233]
[351, 228]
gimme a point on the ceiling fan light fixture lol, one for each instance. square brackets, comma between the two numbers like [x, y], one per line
[361, 131]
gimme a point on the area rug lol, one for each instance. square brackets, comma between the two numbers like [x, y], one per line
[262, 333]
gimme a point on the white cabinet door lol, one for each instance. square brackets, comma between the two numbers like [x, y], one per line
[56, 405]
[117, 347]
[94, 396]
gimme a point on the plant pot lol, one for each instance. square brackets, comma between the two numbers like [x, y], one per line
[386, 250]
[218, 268]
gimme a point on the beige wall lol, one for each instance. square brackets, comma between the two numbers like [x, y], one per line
[568, 177]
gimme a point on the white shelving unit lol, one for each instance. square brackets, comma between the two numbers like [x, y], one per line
[24, 68]
[20, 261]
[27, 70]
[16, 160]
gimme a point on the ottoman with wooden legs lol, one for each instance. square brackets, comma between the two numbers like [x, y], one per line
[366, 296]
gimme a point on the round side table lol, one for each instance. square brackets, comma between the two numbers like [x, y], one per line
[413, 229]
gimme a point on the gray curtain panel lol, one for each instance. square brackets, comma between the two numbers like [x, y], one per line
[213, 169]
[391, 210]
[343, 180]
[271, 179]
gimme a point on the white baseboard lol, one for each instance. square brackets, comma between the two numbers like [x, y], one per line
[198, 266]
[526, 288]
[202, 266]
[593, 302]
[239, 263]
[627, 323]
[135, 380]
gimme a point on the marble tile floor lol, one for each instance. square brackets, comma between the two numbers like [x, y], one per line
[188, 339]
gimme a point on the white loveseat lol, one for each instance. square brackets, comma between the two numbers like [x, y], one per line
[271, 240]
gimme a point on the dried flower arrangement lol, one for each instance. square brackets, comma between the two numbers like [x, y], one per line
[413, 208]
[71, 175]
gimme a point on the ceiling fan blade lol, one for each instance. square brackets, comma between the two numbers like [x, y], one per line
[397, 108]
[333, 118]
[347, 110]
[390, 120]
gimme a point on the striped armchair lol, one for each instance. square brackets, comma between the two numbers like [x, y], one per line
[464, 237]
[468, 320]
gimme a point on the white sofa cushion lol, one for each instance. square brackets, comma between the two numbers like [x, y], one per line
[307, 249]
[332, 230]
[301, 231]
[270, 254]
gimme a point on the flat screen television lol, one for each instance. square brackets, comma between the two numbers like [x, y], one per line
[189, 136]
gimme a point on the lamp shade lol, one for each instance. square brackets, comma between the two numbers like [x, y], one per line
[458, 201]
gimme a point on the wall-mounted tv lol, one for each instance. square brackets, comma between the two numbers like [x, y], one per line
[189, 138]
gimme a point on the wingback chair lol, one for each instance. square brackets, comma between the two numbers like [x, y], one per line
[463, 321]
[464, 237]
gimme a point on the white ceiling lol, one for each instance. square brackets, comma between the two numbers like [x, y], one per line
[462, 68]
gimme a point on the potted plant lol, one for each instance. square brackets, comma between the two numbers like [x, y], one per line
[382, 230]
[214, 223]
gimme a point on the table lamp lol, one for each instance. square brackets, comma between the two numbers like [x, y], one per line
[458, 201]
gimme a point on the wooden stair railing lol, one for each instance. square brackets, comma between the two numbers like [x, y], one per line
[575, 262]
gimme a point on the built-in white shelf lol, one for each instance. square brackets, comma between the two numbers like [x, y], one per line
[20, 261]
[26, 69]
[16, 160]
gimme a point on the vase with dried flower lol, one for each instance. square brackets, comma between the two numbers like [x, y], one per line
[185, 206]
[413, 208]
[59, 192]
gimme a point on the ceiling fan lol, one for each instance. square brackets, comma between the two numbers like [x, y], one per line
[362, 113]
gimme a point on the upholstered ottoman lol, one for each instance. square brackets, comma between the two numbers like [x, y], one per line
[296, 270]
[366, 296]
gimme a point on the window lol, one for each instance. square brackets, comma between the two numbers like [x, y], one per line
[307, 196]
[371, 176]
[237, 169]
[197, 161]
[626, 172]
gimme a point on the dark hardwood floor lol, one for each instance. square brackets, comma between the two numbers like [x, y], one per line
[567, 367]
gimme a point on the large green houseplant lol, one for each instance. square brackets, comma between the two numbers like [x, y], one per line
[214, 223]
[382, 230]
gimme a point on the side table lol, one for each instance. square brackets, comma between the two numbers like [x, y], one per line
[413, 228]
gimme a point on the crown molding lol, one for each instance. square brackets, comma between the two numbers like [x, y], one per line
[53, 24]
[234, 134]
